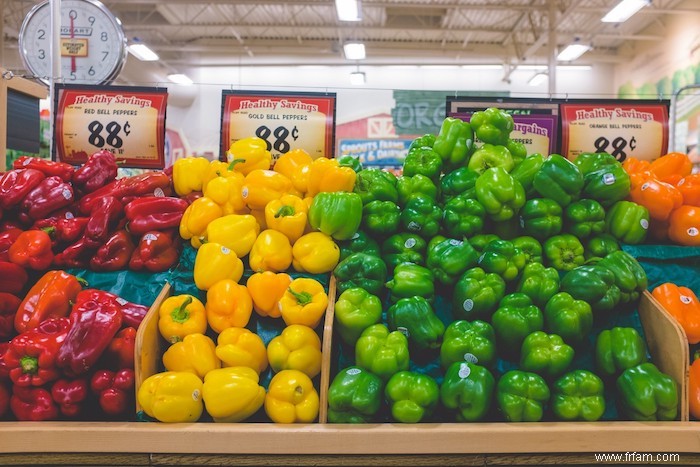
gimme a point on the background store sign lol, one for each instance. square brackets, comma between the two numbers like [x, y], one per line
[376, 152]
[621, 128]
[129, 121]
[285, 120]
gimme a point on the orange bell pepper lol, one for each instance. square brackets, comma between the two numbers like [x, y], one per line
[689, 186]
[671, 167]
[228, 305]
[295, 166]
[51, 297]
[658, 230]
[326, 175]
[684, 226]
[694, 386]
[633, 165]
[683, 305]
[266, 289]
[660, 198]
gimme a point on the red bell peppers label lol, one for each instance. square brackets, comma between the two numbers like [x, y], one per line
[128, 121]
[286, 121]
[638, 130]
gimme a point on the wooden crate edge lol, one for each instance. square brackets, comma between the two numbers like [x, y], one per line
[326, 352]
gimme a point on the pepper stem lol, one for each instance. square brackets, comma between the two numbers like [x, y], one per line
[29, 365]
[696, 356]
[82, 282]
[180, 314]
[234, 162]
[50, 230]
[303, 298]
[285, 211]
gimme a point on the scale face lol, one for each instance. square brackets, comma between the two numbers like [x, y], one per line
[93, 43]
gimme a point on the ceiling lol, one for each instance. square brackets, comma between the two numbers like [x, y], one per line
[190, 34]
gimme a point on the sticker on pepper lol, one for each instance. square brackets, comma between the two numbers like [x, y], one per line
[471, 358]
[353, 371]
[693, 232]
[158, 193]
[644, 223]
[464, 371]
[404, 331]
[410, 243]
[686, 299]
[468, 304]
[609, 178]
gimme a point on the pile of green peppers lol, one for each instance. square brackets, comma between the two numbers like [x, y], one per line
[493, 266]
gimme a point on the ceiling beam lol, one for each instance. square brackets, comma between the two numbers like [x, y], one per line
[366, 3]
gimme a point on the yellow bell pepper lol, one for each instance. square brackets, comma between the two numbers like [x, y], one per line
[197, 216]
[217, 169]
[180, 316]
[308, 201]
[271, 252]
[315, 253]
[297, 348]
[248, 154]
[241, 347]
[215, 262]
[304, 302]
[266, 288]
[291, 398]
[228, 305]
[226, 192]
[262, 186]
[295, 166]
[326, 175]
[259, 215]
[196, 353]
[172, 397]
[236, 232]
[287, 215]
[232, 394]
[188, 174]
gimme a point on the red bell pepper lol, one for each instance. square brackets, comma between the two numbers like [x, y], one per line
[154, 213]
[9, 224]
[4, 370]
[114, 255]
[156, 251]
[114, 390]
[15, 185]
[12, 277]
[50, 195]
[50, 297]
[93, 325]
[4, 399]
[125, 189]
[105, 215]
[33, 404]
[32, 250]
[7, 238]
[64, 228]
[98, 170]
[8, 309]
[70, 395]
[32, 356]
[120, 353]
[192, 197]
[132, 313]
[46, 166]
[76, 255]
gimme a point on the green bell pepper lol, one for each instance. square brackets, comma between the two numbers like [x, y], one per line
[606, 185]
[425, 141]
[403, 248]
[545, 354]
[628, 222]
[539, 283]
[424, 161]
[578, 395]
[415, 317]
[476, 294]
[474, 342]
[361, 270]
[515, 319]
[481, 241]
[336, 214]
[645, 393]
[541, 218]
[559, 179]
[375, 185]
[629, 275]
[525, 172]
[449, 258]
[381, 352]
[467, 390]
[500, 194]
[356, 310]
[381, 218]
[492, 126]
[618, 349]
[489, 155]
[412, 397]
[593, 284]
[506, 230]
[568, 318]
[454, 143]
[600, 246]
[521, 396]
[354, 396]
[358, 243]
[563, 252]
[584, 218]
[408, 187]
[530, 246]
[350, 161]
[422, 216]
[501, 257]
[411, 280]
[463, 217]
[591, 161]
[458, 182]
[517, 150]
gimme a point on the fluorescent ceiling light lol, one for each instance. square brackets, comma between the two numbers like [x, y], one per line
[348, 10]
[354, 50]
[537, 79]
[572, 52]
[439, 67]
[142, 52]
[624, 10]
[482, 67]
[179, 78]
[358, 78]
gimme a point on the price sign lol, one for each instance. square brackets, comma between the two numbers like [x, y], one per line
[285, 121]
[130, 122]
[623, 129]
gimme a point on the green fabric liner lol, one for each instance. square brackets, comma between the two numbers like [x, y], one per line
[668, 263]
